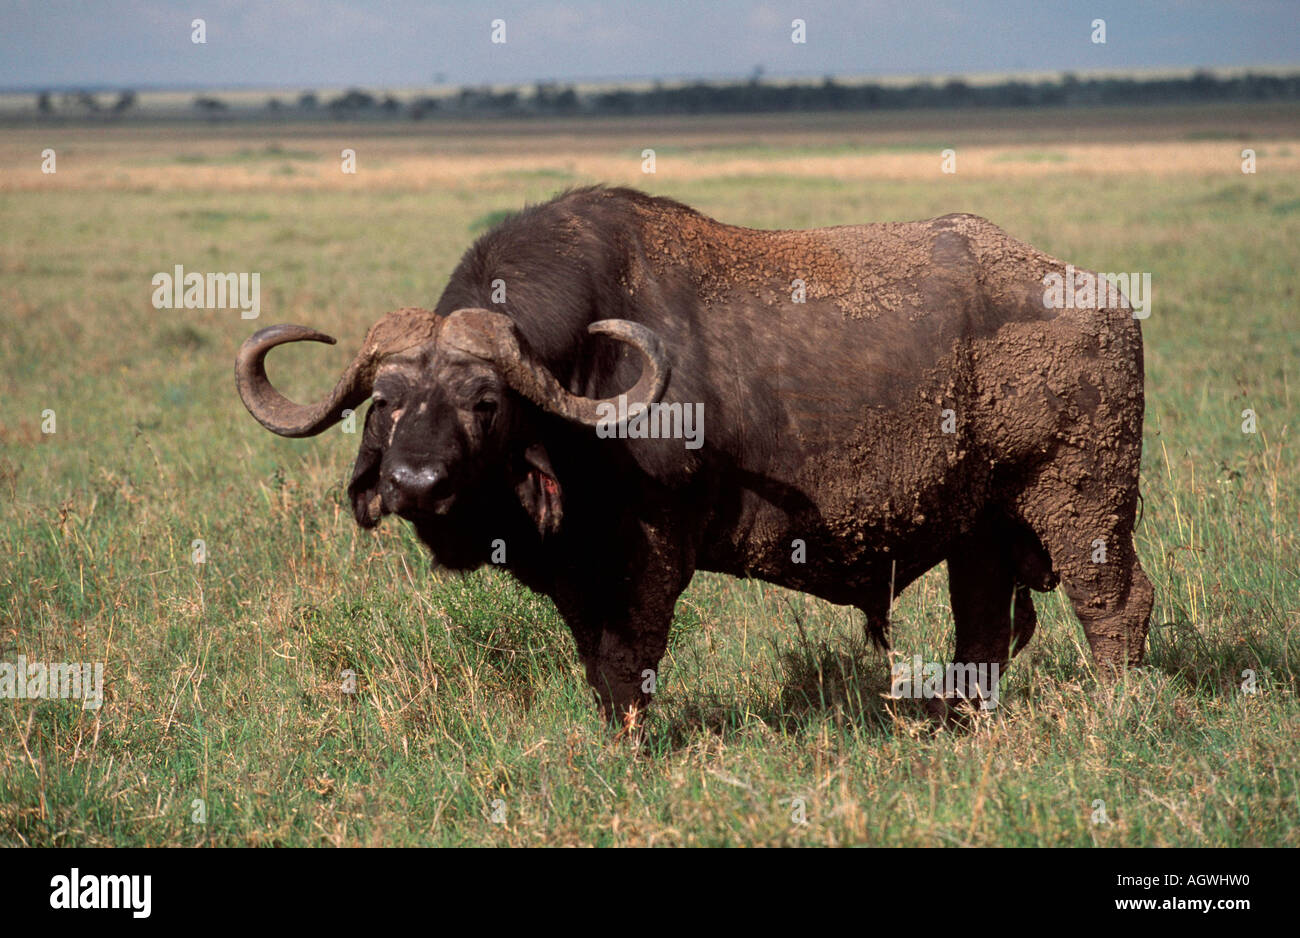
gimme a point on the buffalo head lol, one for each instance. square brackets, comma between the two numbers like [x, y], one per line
[452, 425]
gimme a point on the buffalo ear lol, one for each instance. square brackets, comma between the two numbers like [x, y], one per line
[539, 490]
[363, 490]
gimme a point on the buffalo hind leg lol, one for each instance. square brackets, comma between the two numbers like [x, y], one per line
[1084, 515]
[982, 585]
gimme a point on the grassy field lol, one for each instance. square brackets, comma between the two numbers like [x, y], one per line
[471, 723]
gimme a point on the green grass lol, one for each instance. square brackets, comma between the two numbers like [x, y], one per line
[223, 679]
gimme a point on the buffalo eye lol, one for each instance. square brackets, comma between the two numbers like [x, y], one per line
[379, 401]
[485, 412]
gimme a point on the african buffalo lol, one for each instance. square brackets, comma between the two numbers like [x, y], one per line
[875, 399]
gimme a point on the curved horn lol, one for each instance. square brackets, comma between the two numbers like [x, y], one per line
[397, 330]
[493, 337]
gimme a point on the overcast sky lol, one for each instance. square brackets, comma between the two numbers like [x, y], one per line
[330, 43]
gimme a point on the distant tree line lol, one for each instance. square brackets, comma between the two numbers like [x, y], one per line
[750, 97]
[756, 96]
[830, 95]
[83, 102]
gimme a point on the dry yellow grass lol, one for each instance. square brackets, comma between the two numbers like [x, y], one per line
[387, 169]
[435, 155]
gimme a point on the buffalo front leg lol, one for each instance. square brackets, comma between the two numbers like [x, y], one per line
[620, 619]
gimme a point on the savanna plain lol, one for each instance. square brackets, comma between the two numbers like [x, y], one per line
[225, 720]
